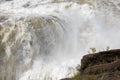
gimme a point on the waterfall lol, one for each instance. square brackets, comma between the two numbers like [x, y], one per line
[45, 39]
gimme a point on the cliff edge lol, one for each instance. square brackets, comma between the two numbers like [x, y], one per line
[104, 65]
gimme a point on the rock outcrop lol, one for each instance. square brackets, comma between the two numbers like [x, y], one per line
[104, 65]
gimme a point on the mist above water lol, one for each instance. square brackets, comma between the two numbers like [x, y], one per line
[45, 39]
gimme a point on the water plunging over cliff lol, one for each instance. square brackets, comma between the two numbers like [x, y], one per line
[45, 39]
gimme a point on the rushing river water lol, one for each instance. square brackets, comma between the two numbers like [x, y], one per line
[45, 39]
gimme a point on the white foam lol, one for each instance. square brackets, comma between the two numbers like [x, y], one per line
[85, 28]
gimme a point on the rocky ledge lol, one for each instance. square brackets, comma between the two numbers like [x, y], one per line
[104, 65]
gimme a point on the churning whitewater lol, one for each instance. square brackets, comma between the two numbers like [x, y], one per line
[45, 39]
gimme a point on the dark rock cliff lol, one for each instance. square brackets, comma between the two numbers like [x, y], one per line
[104, 65]
[101, 61]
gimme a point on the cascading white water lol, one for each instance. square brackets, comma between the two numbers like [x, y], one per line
[45, 39]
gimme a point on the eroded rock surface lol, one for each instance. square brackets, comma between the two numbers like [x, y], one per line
[105, 65]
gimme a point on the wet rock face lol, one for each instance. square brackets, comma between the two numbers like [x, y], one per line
[104, 65]
[66, 79]
[112, 76]
[4, 0]
[3, 18]
[8, 0]
[101, 68]
[100, 59]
